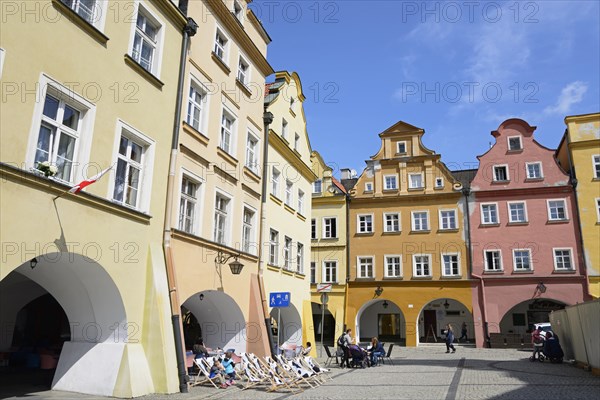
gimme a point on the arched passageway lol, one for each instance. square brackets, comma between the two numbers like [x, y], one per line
[436, 314]
[381, 318]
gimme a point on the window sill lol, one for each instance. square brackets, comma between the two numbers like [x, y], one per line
[514, 151]
[251, 174]
[416, 189]
[227, 157]
[438, 188]
[449, 230]
[273, 267]
[364, 233]
[289, 209]
[78, 20]
[517, 223]
[451, 277]
[390, 190]
[220, 63]
[299, 275]
[393, 278]
[495, 182]
[494, 272]
[564, 271]
[422, 278]
[245, 89]
[301, 217]
[195, 133]
[402, 154]
[368, 192]
[420, 231]
[558, 221]
[144, 72]
[365, 278]
[491, 225]
[275, 199]
[534, 179]
[288, 272]
[330, 239]
[292, 112]
[391, 233]
[519, 272]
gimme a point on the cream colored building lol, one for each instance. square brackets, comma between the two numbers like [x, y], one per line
[329, 246]
[216, 193]
[286, 230]
[83, 277]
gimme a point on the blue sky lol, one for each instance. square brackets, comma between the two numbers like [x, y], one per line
[455, 69]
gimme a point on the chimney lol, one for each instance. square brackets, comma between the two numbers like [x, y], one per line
[346, 173]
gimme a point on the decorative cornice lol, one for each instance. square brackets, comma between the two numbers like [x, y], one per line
[290, 156]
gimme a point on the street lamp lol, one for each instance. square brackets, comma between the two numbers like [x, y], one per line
[541, 287]
[385, 304]
[446, 304]
[236, 266]
[33, 263]
[378, 291]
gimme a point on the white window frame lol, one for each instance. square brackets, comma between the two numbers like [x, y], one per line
[98, 14]
[485, 260]
[160, 37]
[368, 186]
[359, 266]
[313, 229]
[229, 216]
[509, 211]
[252, 244]
[385, 222]
[273, 248]
[597, 203]
[252, 154]
[198, 87]
[224, 47]
[318, 184]
[441, 219]
[539, 164]
[284, 128]
[244, 77]
[410, 181]
[289, 193]
[443, 264]
[2, 55]
[275, 181]
[505, 166]
[313, 272]
[441, 183]
[287, 252]
[238, 11]
[483, 222]
[359, 223]
[230, 148]
[398, 147]
[325, 268]
[300, 258]
[413, 220]
[300, 202]
[514, 137]
[395, 182]
[324, 226]
[386, 267]
[296, 141]
[414, 259]
[145, 191]
[571, 258]
[198, 201]
[596, 166]
[514, 255]
[564, 201]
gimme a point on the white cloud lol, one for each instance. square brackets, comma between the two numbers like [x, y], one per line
[569, 95]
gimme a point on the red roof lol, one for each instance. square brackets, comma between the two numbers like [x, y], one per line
[267, 87]
[338, 184]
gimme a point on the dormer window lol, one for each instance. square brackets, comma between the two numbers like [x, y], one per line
[514, 143]
[237, 10]
[401, 147]
[500, 173]
[292, 104]
[439, 183]
[369, 187]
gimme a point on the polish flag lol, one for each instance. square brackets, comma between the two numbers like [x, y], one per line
[86, 182]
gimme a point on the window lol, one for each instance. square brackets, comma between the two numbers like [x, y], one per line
[393, 266]
[221, 46]
[284, 128]
[514, 143]
[84, 8]
[273, 246]
[330, 271]
[292, 104]
[390, 182]
[221, 218]
[500, 173]
[130, 165]
[450, 265]
[313, 228]
[313, 272]
[369, 187]
[596, 166]
[248, 231]
[300, 201]
[365, 224]
[493, 260]
[365, 267]
[401, 146]
[227, 127]
[289, 187]
[188, 204]
[60, 129]
[598, 209]
[243, 71]
[2, 52]
[145, 42]
[489, 214]
[563, 260]
[415, 181]
[329, 228]
[391, 222]
[196, 101]
[522, 259]
[238, 10]
[534, 170]
[448, 219]
[275, 174]
[317, 186]
[296, 142]
[420, 220]
[517, 213]
[439, 183]
[421, 265]
[252, 152]
[300, 258]
[557, 210]
[287, 253]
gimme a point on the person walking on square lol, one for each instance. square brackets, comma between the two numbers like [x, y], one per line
[344, 343]
[463, 332]
[449, 339]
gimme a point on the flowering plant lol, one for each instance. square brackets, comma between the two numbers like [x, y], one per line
[47, 168]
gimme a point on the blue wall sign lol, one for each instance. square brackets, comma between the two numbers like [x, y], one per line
[279, 299]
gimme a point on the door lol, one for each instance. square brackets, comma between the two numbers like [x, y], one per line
[429, 323]
[389, 327]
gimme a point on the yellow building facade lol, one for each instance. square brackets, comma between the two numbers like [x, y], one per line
[83, 277]
[409, 274]
[579, 154]
[286, 223]
[328, 251]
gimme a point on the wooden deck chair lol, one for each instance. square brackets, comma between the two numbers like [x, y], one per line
[264, 372]
[303, 369]
[309, 364]
[204, 374]
[313, 363]
[295, 371]
[290, 380]
[249, 374]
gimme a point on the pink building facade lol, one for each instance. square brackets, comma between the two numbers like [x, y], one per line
[525, 246]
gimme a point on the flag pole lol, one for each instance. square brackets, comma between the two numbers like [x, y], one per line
[61, 195]
[84, 183]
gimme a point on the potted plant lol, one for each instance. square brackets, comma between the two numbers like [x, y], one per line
[47, 168]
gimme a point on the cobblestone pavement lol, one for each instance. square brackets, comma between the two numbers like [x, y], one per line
[421, 373]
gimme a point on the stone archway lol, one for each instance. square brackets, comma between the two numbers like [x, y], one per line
[522, 316]
[381, 318]
[436, 314]
[289, 325]
[323, 322]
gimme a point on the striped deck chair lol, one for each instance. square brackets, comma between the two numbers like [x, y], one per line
[288, 379]
[264, 374]
[313, 363]
[300, 374]
[204, 374]
[251, 376]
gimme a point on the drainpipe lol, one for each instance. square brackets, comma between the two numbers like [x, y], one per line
[188, 31]
[484, 308]
[574, 184]
[267, 120]
[347, 261]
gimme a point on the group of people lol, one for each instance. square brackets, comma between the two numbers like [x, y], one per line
[223, 369]
[370, 355]
[545, 344]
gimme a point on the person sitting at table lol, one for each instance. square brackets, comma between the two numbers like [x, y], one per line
[200, 351]
[376, 351]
